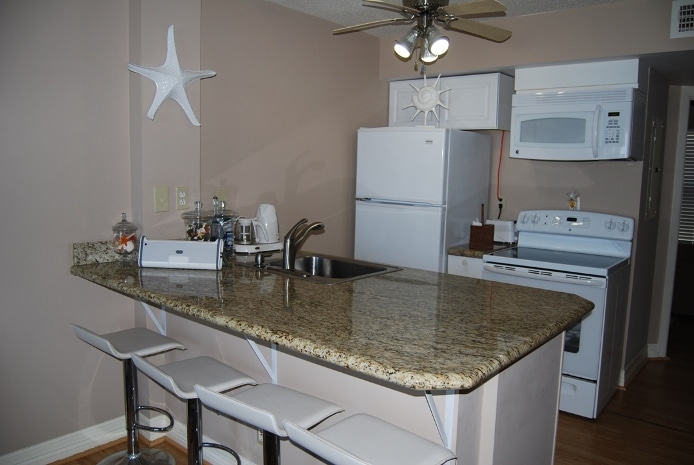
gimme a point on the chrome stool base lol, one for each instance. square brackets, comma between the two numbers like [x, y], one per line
[123, 345]
[144, 457]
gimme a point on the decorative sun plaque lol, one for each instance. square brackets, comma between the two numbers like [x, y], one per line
[426, 99]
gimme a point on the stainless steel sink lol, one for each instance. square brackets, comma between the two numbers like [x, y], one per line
[326, 269]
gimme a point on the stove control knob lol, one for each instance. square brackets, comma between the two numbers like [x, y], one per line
[523, 218]
[535, 219]
[623, 226]
[610, 224]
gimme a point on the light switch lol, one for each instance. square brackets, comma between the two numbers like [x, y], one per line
[161, 199]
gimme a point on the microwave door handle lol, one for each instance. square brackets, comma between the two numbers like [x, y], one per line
[596, 119]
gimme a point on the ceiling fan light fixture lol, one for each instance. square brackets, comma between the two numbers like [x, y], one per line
[404, 47]
[425, 53]
[438, 43]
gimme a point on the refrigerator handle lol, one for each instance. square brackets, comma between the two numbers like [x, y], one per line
[396, 202]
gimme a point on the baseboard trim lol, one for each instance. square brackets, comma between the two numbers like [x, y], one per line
[654, 352]
[68, 445]
[634, 367]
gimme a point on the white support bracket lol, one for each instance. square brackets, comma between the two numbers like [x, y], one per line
[270, 368]
[160, 322]
[445, 427]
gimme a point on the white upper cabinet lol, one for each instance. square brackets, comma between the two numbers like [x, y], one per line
[481, 101]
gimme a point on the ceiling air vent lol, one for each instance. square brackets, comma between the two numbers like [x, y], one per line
[682, 21]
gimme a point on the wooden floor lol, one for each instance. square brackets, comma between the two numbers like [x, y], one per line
[95, 456]
[651, 422]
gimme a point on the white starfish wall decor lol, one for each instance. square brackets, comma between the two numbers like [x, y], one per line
[171, 80]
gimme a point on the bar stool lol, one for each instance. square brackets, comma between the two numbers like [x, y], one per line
[180, 378]
[265, 406]
[365, 440]
[123, 345]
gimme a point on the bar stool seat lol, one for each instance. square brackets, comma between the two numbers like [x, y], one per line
[366, 440]
[265, 406]
[122, 345]
[180, 379]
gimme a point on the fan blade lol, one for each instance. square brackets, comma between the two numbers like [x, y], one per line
[480, 8]
[399, 8]
[474, 28]
[358, 27]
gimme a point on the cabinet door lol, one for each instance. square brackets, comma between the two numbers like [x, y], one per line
[465, 266]
[478, 102]
[469, 102]
[401, 112]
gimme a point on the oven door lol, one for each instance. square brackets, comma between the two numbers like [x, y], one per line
[583, 342]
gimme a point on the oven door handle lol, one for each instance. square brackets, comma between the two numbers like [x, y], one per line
[582, 280]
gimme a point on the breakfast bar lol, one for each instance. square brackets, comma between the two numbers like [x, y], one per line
[485, 355]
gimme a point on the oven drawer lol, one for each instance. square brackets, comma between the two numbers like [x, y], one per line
[577, 397]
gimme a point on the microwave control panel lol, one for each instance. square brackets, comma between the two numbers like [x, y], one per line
[613, 128]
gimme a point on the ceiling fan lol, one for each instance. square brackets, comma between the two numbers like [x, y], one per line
[424, 35]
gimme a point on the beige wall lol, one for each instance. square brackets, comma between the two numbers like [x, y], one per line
[164, 151]
[64, 177]
[280, 118]
[77, 151]
[279, 127]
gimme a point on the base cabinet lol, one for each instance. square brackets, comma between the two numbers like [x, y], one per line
[470, 267]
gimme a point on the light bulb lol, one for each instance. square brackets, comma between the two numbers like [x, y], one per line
[425, 53]
[406, 45]
[438, 44]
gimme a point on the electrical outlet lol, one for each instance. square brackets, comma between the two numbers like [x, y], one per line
[161, 199]
[181, 198]
[260, 437]
[221, 194]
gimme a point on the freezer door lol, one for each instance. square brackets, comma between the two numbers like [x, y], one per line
[406, 165]
[400, 235]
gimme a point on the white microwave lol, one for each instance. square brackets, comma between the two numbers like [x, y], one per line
[578, 125]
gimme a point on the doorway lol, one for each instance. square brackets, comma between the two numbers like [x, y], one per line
[683, 294]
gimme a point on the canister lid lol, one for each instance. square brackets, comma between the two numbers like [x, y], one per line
[223, 213]
[197, 214]
[124, 226]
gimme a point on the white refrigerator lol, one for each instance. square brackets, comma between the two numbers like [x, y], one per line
[418, 191]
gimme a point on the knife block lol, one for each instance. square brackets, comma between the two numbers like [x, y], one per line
[482, 237]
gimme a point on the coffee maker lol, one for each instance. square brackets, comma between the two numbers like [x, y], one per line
[263, 235]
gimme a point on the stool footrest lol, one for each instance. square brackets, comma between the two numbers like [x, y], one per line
[155, 429]
[231, 451]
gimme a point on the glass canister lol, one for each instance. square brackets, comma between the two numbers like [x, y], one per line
[197, 223]
[124, 236]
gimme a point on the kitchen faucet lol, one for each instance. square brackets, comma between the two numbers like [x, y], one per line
[294, 238]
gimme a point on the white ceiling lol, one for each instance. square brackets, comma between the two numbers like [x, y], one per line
[350, 12]
[678, 67]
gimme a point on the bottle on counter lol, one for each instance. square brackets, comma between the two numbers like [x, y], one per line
[124, 236]
[197, 223]
[223, 222]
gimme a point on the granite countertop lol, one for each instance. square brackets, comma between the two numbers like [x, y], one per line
[464, 250]
[414, 328]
